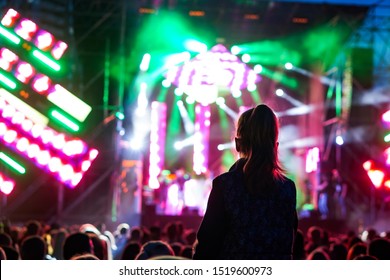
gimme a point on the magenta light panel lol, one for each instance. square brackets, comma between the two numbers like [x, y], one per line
[201, 139]
[65, 157]
[157, 142]
[217, 68]
[30, 32]
[6, 185]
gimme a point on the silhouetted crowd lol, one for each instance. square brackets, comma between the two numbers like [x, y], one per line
[38, 241]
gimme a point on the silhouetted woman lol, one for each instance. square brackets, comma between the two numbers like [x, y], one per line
[251, 210]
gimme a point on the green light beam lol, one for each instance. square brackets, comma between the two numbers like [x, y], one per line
[64, 120]
[12, 163]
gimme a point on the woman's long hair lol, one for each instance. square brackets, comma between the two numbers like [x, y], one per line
[257, 135]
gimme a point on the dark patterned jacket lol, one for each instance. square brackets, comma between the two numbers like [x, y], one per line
[239, 225]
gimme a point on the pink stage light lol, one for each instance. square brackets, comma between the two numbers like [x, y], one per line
[41, 83]
[6, 185]
[74, 147]
[367, 165]
[7, 59]
[29, 31]
[387, 156]
[44, 40]
[376, 177]
[10, 136]
[386, 117]
[312, 159]
[201, 139]
[10, 18]
[17, 118]
[50, 150]
[33, 150]
[59, 49]
[26, 29]
[55, 164]
[210, 73]
[47, 136]
[387, 184]
[43, 158]
[24, 72]
[85, 165]
[157, 142]
[27, 125]
[22, 144]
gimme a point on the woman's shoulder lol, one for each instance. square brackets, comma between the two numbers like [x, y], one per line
[287, 183]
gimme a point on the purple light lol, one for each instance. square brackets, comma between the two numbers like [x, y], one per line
[386, 117]
[7, 59]
[43, 158]
[26, 29]
[55, 164]
[24, 72]
[44, 40]
[157, 142]
[33, 150]
[27, 125]
[217, 69]
[6, 185]
[85, 165]
[201, 140]
[59, 49]
[10, 18]
[44, 145]
[22, 144]
[41, 83]
[10, 136]
[29, 31]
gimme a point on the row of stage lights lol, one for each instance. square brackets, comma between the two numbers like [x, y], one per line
[30, 62]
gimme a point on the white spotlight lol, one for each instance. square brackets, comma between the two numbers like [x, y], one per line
[339, 140]
[136, 144]
[178, 145]
[220, 101]
[279, 92]
[288, 66]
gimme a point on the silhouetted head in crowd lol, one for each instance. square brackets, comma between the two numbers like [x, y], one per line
[314, 238]
[338, 251]
[171, 232]
[99, 246]
[58, 239]
[190, 237]
[353, 240]
[11, 253]
[357, 249]
[318, 254]
[33, 227]
[84, 257]
[155, 233]
[131, 250]
[2, 254]
[33, 248]
[365, 258]
[5, 239]
[180, 231]
[299, 246]
[379, 248]
[177, 247]
[136, 234]
[77, 244]
[153, 249]
[187, 252]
